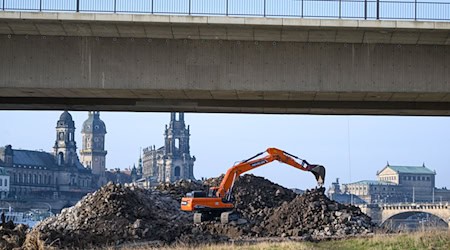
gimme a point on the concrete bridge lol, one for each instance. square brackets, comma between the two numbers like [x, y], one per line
[85, 61]
[381, 213]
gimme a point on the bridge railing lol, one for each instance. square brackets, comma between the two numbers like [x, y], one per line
[438, 10]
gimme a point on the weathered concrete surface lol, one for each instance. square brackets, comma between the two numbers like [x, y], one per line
[223, 76]
[223, 64]
[224, 28]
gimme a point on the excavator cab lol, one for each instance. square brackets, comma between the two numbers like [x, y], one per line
[212, 191]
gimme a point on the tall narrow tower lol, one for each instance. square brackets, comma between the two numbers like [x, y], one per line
[178, 164]
[65, 148]
[93, 153]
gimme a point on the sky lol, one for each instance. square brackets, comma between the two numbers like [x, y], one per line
[388, 9]
[351, 148]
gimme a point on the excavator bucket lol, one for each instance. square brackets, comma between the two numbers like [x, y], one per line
[319, 172]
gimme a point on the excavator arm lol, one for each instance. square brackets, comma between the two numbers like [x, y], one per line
[226, 186]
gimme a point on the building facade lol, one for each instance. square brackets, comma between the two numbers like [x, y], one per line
[172, 161]
[136, 172]
[39, 175]
[4, 183]
[93, 153]
[396, 184]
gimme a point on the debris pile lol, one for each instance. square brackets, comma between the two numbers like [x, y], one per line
[179, 188]
[315, 215]
[254, 196]
[112, 215]
[118, 214]
[274, 211]
[12, 236]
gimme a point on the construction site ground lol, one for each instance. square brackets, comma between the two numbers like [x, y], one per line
[118, 215]
[429, 239]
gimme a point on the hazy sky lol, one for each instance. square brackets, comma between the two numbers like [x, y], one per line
[350, 147]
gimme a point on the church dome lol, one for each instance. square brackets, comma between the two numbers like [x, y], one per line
[93, 124]
[66, 120]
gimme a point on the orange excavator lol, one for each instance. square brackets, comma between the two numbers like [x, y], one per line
[218, 202]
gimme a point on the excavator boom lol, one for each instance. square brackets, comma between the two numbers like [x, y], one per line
[272, 155]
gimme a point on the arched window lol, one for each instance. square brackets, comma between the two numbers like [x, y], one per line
[15, 178]
[61, 136]
[40, 179]
[20, 178]
[1, 182]
[177, 171]
[60, 158]
[6, 182]
[35, 178]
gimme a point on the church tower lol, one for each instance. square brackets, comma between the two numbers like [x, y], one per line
[178, 162]
[65, 148]
[93, 153]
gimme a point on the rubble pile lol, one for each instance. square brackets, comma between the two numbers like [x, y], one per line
[179, 188]
[113, 215]
[315, 215]
[254, 196]
[12, 236]
[118, 214]
[270, 210]
[274, 211]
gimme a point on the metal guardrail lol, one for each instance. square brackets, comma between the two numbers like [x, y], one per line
[348, 9]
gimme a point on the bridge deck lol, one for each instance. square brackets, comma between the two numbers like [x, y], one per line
[224, 28]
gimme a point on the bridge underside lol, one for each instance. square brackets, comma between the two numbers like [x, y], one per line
[227, 74]
[114, 103]
[404, 216]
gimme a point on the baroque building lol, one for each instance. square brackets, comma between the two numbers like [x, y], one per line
[394, 184]
[39, 175]
[172, 161]
[93, 153]
[136, 173]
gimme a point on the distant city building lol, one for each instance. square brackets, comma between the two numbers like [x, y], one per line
[172, 161]
[93, 153]
[136, 173]
[36, 175]
[119, 176]
[4, 183]
[335, 193]
[395, 184]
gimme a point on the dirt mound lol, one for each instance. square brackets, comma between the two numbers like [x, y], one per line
[314, 214]
[112, 215]
[271, 210]
[12, 236]
[178, 189]
[119, 214]
[254, 196]
[310, 215]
